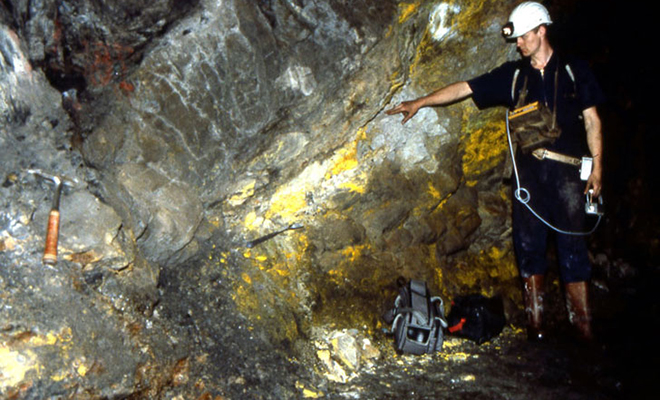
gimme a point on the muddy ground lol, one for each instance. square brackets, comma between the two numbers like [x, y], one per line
[508, 367]
[620, 365]
[230, 358]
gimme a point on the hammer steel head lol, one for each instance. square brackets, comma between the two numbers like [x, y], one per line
[57, 180]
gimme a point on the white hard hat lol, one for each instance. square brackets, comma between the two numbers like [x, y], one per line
[525, 17]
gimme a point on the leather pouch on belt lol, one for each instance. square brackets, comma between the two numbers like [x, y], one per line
[533, 126]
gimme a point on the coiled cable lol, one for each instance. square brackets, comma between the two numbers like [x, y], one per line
[523, 196]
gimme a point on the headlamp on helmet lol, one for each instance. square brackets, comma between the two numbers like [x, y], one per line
[507, 30]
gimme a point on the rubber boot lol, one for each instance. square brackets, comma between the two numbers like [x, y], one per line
[533, 296]
[579, 312]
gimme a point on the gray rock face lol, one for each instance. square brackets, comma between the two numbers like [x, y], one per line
[90, 43]
[53, 330]
[168, 211]
[209, 94]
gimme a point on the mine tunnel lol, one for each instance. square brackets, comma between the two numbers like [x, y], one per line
[207, 200]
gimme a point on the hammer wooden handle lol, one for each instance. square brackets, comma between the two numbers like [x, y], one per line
[52, 234]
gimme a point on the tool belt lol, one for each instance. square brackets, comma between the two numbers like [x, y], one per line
[542, 154]
[533, 126]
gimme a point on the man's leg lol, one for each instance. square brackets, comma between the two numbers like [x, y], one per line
[573, 255]
[533, 297]
[529, 239]
[579, 312]
[576, 273]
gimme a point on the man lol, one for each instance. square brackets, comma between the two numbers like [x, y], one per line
[550, 191]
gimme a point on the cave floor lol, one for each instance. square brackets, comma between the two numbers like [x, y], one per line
[620, 364]
[507, 367]
[247, 366]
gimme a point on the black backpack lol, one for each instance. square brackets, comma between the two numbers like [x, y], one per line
[417, 319]
[476, 317]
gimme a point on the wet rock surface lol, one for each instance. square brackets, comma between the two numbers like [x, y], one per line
[197, 132]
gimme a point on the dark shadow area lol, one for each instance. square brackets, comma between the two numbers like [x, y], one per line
[611, 36]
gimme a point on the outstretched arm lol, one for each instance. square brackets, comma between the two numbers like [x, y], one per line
[593, 127]
[447, 95]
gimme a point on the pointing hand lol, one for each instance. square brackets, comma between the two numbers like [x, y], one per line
[407, 108]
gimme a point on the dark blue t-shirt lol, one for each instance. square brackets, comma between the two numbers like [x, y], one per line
[577, 90]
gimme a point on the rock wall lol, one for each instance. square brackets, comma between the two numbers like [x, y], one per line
[193, 128]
